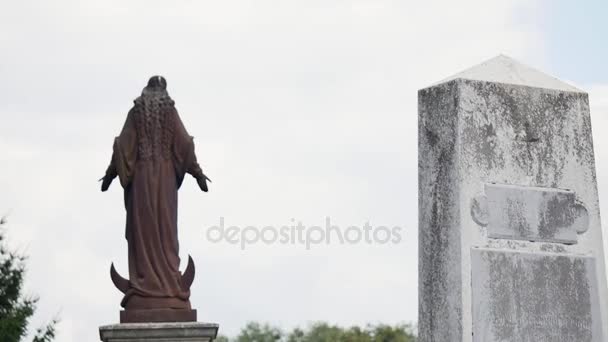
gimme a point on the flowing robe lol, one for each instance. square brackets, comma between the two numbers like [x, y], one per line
[151, 156]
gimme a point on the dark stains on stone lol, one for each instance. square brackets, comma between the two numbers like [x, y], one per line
[555, 248]
[535, 119]
[439, 281]
[533, 213]
[559, 213]
[431, 137]
[530, 136]
[537, 297]
[517, 223]
[487, 147]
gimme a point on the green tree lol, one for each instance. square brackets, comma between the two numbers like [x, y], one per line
[323, 332]
[387, 333]
[255, 332]
[16, 309]
[319, 332]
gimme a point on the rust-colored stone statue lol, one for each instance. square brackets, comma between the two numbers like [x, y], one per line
[151, 156]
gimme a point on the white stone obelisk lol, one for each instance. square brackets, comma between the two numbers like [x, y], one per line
[510, 240]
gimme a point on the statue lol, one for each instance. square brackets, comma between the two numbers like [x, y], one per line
[151, 156]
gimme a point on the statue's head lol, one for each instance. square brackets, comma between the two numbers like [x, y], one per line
[156, 85]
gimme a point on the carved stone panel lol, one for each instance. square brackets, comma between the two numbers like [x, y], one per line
[530, 213]
[532, 297]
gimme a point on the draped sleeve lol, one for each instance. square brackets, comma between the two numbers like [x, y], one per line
[125, 151]
[184, 157]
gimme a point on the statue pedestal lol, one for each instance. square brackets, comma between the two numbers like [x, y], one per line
[159, 332]
[157, 316]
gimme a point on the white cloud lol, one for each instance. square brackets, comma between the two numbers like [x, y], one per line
[300, 109]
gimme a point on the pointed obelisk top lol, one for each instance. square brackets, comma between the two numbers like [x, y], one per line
[504, 69]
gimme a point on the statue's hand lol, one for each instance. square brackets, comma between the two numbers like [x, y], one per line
[105, 183]
[202, 183]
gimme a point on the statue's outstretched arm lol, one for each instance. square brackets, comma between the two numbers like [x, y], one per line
[196, 172]
[111, 173]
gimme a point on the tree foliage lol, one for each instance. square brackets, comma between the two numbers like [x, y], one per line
[259, 333]
[16, 309]
[323, 332]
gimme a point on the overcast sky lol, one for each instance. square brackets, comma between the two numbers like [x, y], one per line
[300, 109]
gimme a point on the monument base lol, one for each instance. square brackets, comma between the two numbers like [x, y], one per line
[157, 315]
[159, 332]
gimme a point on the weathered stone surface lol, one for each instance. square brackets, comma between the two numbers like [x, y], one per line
[530, 213]
[159, 332]
[500, 123]
[440, 282]
[523, 296]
